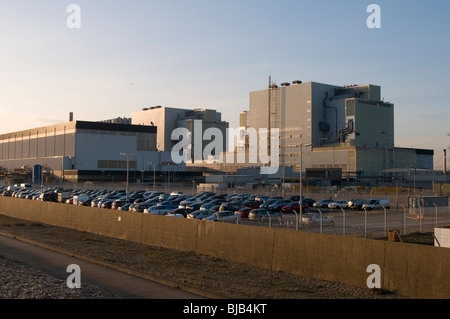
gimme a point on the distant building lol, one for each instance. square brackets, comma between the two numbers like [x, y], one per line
[167, 119]
[346, 127]
[81, 150]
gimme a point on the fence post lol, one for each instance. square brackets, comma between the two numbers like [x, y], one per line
[296, 219]
[436, 212]
[320, 222]
[343, 221]
[420, 218]
[404, 220]
[365, 222]
[385, 222]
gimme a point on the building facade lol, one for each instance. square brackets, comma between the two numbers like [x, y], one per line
[168, 119]
[81, 150]
[328, 126]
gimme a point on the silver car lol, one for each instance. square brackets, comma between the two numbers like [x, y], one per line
[313, 219]
[223, 216]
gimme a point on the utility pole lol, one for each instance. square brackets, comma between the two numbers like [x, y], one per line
[128, 167]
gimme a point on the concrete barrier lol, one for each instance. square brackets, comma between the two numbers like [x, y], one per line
[415, 271]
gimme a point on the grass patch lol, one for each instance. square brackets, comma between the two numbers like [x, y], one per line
[419, 238]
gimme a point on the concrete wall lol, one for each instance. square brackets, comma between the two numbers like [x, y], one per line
[442, 236]
[416, 271]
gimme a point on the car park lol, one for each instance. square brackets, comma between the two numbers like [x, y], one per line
[313, 219]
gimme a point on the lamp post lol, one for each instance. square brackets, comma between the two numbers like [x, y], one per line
[154, 173]
[301, 179]
[128, 165]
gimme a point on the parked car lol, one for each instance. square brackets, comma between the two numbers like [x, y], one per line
[48, 197]
[323, 203]
[207, 206]
[124, 207]
[230, 206]
[243, 212]
[356, 204]
[377, 203]
[157, 210]
[180, 211]
[199, 214]
[279, 204]
[294, 206]
[338, 204]
[222, 216]
[309, 201]
[313, 219]
[268, 202]
[263, 213]
[251, 203]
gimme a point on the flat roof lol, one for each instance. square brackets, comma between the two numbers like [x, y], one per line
[87, 125]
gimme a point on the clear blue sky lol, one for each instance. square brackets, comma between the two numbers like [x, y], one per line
[206, 53]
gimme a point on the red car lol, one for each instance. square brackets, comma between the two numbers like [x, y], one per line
[243, 212]
[294, 206]
[251, 204]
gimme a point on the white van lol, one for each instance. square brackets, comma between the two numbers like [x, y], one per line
[377, 203]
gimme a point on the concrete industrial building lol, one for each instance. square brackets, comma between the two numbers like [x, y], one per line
[80, 150]
[167, 119]
[328, 126]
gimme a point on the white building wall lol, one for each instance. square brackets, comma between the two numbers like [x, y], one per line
[443, 237]
[90, 148]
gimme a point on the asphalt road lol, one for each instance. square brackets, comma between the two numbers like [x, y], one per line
[55, 263]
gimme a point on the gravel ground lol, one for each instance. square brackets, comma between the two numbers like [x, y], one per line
[20, 281]
[223, 278]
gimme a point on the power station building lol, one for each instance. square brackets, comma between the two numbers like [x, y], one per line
[80, 151]
[167, 119]
[326, 126]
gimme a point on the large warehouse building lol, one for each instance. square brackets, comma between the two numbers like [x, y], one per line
[80, 150]
[328, 126]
